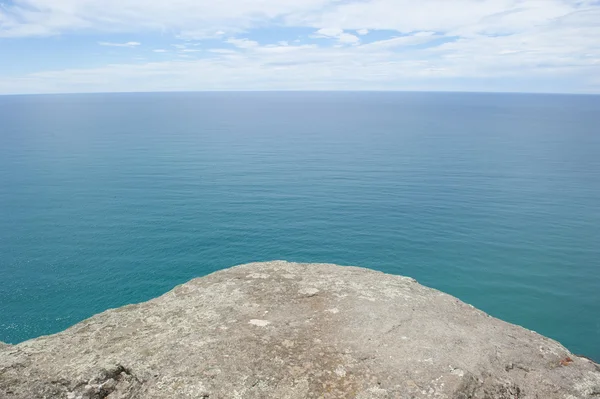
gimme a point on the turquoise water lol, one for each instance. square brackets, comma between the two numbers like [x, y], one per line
[112, 199]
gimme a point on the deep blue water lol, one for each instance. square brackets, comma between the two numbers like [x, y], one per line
[112, 199]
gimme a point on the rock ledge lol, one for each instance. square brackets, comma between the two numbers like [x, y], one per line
[289, 330]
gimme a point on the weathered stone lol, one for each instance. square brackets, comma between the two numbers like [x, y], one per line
[288, 330]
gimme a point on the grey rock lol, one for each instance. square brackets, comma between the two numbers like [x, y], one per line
[289, 330]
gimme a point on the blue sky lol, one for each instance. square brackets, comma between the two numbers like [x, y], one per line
[59, 46]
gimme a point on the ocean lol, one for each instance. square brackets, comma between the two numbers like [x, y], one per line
[111, 199]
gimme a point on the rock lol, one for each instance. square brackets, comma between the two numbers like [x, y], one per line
[288, 330]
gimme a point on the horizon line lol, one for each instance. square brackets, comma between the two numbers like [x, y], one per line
[300, 91]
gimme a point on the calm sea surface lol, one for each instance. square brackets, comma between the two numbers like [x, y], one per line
[111, 199]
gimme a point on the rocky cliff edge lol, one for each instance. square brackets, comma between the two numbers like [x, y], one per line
[289, 330]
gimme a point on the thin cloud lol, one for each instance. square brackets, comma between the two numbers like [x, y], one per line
[242, 43]
[336, 33]
[128, 44]
[517, 45]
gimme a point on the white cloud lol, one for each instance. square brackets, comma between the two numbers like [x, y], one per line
[372, 67]
[336, 33]
[159, 50]
[438, 15]
[408, 40]
[201, 34]
[348, 38]
[330, 32]
[50, 17]
[242, 43]
[222, 51]
[281, 49]
[430, 43]
[128, 44]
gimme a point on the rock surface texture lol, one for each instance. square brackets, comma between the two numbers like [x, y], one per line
[289, 330]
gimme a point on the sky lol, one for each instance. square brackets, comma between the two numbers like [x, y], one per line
[67, 46]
